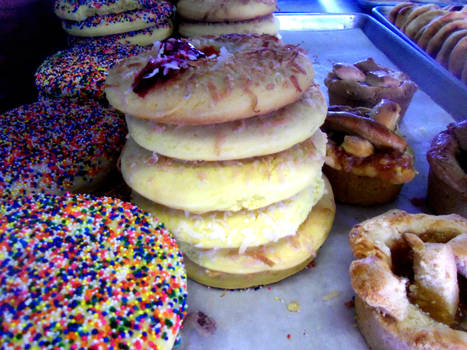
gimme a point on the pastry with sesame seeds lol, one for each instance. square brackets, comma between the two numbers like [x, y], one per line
[58, 146]
[212, 79]
[84, 272]
[80, 71]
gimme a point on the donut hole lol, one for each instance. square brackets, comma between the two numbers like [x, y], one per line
[462, 312]
[402, 260]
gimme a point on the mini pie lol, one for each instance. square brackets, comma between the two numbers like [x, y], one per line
[367, 162]
[409, 280]
[447, 179]
[366, 83]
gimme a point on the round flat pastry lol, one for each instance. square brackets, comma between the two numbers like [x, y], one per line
[448, 45]
[224, 10]
[263, 25]
[256, 136]
[210, 79]
[200, 187]
[415, 28]
[241, 229]
[81, 71]
[120, 22]
[142, 37]
[79, 10]
[270, 263]
[435, 25]
[82, 272]
[435, 43]
[416, 12]
[58, 146]
[458, 57]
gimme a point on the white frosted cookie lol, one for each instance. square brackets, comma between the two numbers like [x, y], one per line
[241, 229]
[210, 79]
[225, 10]
[120, 22]
[263, 25]
[79, 10]
[201, 187]
[228, 268]
[260, 135]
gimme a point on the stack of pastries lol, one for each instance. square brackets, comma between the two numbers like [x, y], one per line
[441, 32]
[224, 147]
[213, 17]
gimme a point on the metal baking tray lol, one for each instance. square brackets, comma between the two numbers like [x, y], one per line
[369, 4]
[312, 309]
[381, 13]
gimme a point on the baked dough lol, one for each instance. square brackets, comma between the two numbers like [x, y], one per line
[121, 22]
[386, 316]
[144, 37]
[224, 10]
[262, 25]
[201, 187]
[252, 75]
[84, 272]
[227, 268]
[241, 229]
[256, 136]
[58, 146]
[82, 9]
[81, 71]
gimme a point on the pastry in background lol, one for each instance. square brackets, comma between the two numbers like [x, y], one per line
[142, 20]
[367, 161]
[366, 83]
[447, 179]
[59, 146]
[409, 280]
[214, 17]
[440, 31]
[88, 272]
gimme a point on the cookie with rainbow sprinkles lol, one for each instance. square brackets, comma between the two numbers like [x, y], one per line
[58, 146]
[80, 272]
[81, 70]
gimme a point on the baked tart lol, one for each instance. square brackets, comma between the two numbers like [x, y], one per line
[367, 161]
[447, 178]
[410, 280]
[366, 83]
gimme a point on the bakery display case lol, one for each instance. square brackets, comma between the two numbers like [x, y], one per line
[313, 308]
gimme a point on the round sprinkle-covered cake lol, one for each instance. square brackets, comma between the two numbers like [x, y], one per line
[81, 71]
[57, 146]
[81, 272]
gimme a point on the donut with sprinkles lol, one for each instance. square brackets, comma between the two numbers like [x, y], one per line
[143, 37]
[85, 272]
[79, 10]
[57, 146]
[81, 70]
[120, 22]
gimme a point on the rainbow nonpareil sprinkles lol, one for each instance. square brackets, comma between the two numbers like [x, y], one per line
[81, 70]
[81, 272]
[56, 145]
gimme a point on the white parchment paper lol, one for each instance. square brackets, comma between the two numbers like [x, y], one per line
[260, 319]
